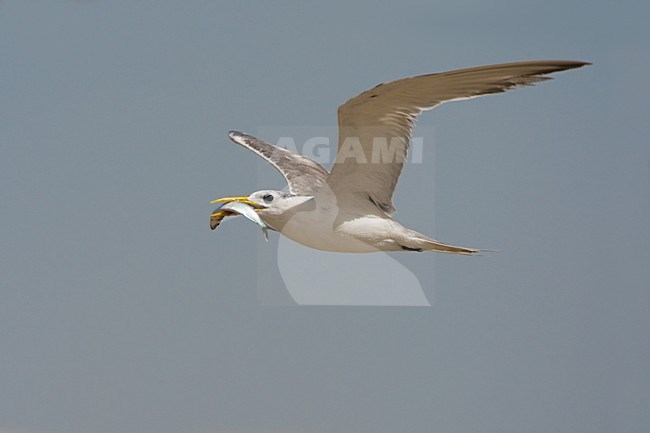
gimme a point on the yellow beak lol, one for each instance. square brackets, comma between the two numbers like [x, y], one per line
[242, 199]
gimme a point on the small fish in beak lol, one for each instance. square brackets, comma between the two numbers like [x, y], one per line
[234, 206]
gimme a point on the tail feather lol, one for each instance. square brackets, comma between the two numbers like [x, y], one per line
[423, 243]
[431, 245]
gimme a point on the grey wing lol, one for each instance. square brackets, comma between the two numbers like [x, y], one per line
[384, 117]
[303, 175]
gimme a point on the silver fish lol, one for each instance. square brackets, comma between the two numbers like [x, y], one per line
[236, 208]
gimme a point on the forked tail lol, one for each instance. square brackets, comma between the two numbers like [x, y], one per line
[419, 242]
[432, 245]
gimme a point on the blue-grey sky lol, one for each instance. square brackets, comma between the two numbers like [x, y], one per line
[121, 312]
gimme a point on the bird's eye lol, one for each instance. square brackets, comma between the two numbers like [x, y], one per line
[268, 198]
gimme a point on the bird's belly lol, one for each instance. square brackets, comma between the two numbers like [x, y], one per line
[332, 233]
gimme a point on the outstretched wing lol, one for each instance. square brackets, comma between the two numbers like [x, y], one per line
[375, 126]
[303, 175]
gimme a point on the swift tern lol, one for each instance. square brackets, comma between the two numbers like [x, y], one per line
[349, 209]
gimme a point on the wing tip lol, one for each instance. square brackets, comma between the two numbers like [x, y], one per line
[239, 137]
[562, 65]
[572, 64]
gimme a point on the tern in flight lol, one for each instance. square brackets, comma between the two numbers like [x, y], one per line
[349, 209]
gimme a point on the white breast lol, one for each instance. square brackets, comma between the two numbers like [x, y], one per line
[329, 228]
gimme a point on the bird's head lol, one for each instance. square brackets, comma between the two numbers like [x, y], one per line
[266, 202]
[267, 198]
[259, 200]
